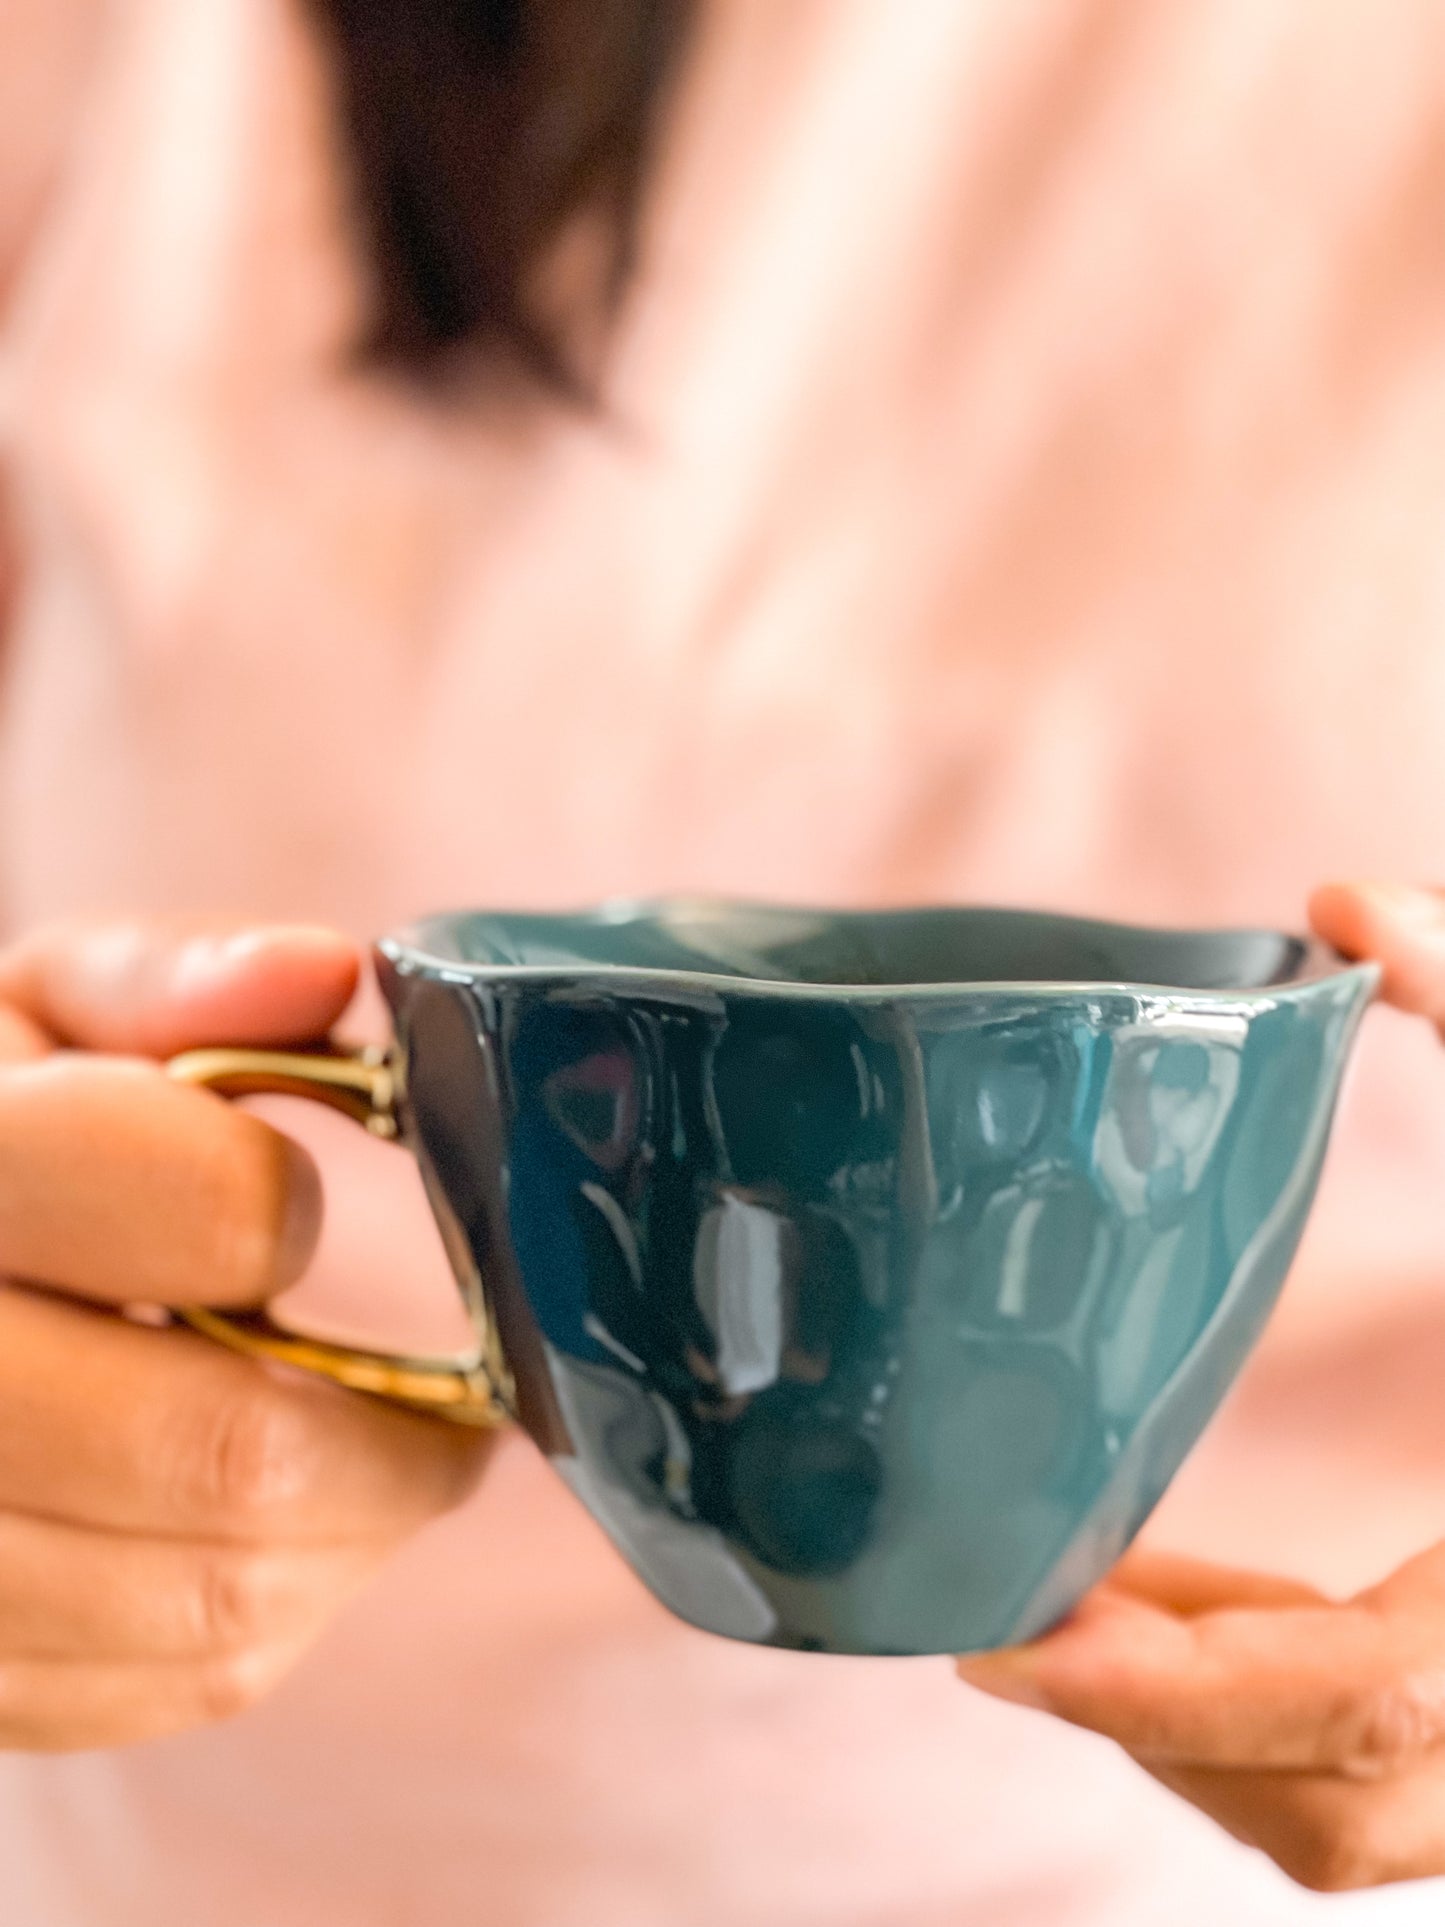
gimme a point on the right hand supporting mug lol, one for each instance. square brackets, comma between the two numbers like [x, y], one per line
[867, 1276]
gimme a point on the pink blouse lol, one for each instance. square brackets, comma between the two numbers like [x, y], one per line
[1023, 481]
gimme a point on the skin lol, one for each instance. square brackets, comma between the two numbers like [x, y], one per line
[1310, 1727]
[177, 1524]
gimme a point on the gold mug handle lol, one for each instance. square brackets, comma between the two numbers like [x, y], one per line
[362, 1084]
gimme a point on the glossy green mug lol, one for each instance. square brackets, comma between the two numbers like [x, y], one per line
[867, 1276]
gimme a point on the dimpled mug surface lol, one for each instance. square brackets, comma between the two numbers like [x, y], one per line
[867, 1276]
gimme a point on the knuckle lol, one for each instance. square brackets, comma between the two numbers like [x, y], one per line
[232, 1683]
[1392, 1725]
[235, 1600]
[254, 1460]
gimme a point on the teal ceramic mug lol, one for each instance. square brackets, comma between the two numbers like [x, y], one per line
[867, 1276]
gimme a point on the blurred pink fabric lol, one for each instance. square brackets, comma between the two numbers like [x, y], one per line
[1022, 481]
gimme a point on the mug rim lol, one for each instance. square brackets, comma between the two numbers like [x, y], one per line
[416, 945]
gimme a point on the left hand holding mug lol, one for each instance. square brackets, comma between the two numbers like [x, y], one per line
[177, 1525]
[1310, 1728]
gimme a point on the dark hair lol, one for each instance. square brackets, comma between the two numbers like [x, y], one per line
[484, 134]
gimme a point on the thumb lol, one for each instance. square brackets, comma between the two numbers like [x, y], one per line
[156, 986]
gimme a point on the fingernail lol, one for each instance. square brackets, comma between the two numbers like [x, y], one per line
[1407, 901]
[1004, 1677]
[301, 1219]
[242, 945]
[205, 960]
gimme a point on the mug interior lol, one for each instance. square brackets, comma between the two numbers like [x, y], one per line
[776, 944]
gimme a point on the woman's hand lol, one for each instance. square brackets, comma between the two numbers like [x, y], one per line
[177, 1524]
[1310, 1728]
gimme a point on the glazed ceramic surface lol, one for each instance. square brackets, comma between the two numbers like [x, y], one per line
[867, 1276]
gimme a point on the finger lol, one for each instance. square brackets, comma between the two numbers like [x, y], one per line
[1402, 928]
[75, 1592]
[1337, 1688]
[119, 1184]
[1327, 1833]
[154, 988]
[165, 1434]
[1185, 1585]
[59, 1706]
